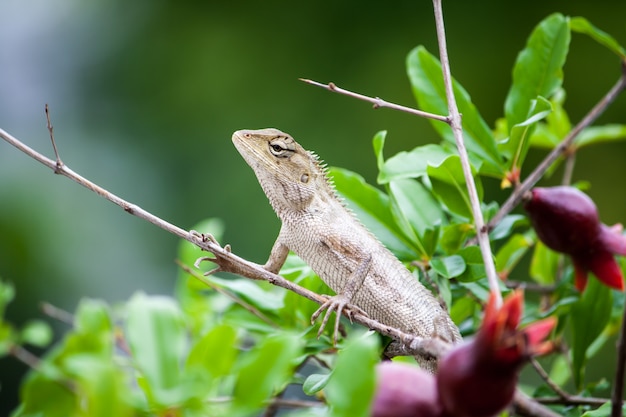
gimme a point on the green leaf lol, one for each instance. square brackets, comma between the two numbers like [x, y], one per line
[506, 226]
[417, 211]
[601, 134]
[517, 146]
[314, 383]
[511, 253]
[156, 336]
[449, 186]
[411, 164]
[538, 69]
[426, 78]
[37, 333]
[475, 267]
[215, 352]
[603, 411]
[544, 264]
[41, 395]
[353, 378]
[378, 143]
[449, 266]
[7, 292]
[373, 209]
[454, 236]
[265, 370]
[588, 316]
[582, 25]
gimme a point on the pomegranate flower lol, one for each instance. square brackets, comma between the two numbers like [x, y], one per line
[566, 220]
[475, 379]
[478, 378]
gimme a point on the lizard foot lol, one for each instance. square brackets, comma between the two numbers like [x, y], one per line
[339, 304]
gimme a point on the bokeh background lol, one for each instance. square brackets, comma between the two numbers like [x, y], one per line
[145, 95]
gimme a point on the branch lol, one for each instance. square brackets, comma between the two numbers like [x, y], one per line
[482, 233]
[377, 102]
[516, 197]
[618, 383]
[228, 261]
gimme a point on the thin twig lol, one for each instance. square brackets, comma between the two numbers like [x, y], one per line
[377, 102]
[568, 171]
[25, 356]
[516, 197]
[573, 400]
[546, 378]
[51, 132]
[57, 313]
[228, 261]
[618, 383]
[457, 130]
[530, 286]
[217, 288]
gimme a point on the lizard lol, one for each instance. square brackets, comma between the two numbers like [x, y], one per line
[319, 228]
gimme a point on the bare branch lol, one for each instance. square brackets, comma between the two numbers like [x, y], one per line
[618, 383]
[377, 102]
[57, 313]
[228, 261]
[482, 233]
[546, 378]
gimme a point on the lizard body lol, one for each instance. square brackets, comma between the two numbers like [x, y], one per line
[330, 239]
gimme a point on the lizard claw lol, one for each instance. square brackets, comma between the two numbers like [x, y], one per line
[339, 304]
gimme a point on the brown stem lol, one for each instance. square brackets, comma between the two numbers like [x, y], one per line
[377, 102]
[618, 383]
[546, 378]
[482, 233]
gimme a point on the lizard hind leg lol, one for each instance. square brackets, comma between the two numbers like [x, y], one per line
[340, 303]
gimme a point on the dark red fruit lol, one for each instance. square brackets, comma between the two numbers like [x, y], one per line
[405, 391]
[566, 220]
[478, 378]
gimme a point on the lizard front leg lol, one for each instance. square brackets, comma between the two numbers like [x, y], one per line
[339, 302]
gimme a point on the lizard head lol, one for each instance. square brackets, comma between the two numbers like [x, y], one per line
[290, 175]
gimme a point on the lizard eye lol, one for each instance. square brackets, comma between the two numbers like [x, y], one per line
[280, 148]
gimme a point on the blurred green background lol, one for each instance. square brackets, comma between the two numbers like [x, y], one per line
[145, 95]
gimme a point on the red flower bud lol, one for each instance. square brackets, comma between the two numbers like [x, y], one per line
[566, 220]
[478, 378]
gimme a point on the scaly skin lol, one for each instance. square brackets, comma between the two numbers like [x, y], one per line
[330, 239]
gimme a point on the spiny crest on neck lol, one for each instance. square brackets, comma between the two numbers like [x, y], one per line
[322, 167]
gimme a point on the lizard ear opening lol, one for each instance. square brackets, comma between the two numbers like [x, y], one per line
[305, 177]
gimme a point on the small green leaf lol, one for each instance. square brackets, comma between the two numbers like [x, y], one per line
[426, 78]
[601, 134]
[454, 236]
[582, 25]
[603, 411]
[41, 395]
[475, 267]
[511, 253]
[37, 333]
[265, 370]
[7, 292]
[416, 210]
[353, 377]
[538, 69]
[544, 264]
[315, 383]
[156, 336]
[379, 143]
[449, 266]
[588, 316]
[507, 225]
[372, 207]
[449, 186]
[215, 352]
[411, 164]
[517, 146]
